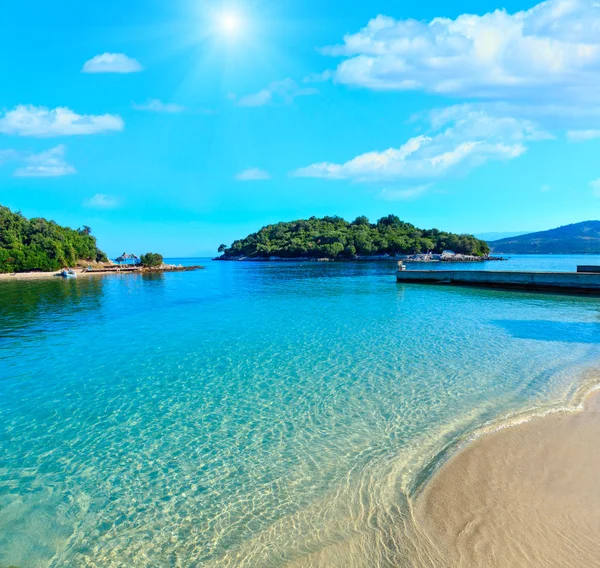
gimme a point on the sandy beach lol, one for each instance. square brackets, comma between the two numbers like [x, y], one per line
[17, 276]
[81, 270]
[9, 277]
[522, 496]
[28, 276]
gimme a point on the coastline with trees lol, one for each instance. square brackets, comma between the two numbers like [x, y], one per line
[37, 248]
[40, 245]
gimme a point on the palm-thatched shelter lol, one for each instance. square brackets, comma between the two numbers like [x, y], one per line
[128, 258]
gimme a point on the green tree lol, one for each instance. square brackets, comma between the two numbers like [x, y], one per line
[151, 260]
[361, 221]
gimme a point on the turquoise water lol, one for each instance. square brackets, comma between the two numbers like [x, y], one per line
[257, 414]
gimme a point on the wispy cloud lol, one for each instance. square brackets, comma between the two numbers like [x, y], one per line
[582, 135]
[278, 92]
[462, 139]
[595, 185]
[50, 163]
[156, 105]
[102, 201]
[319, 77]
[112, 63]
[253, 174]
[260, 98]
[29, 120]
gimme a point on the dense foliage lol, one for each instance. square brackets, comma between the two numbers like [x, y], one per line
[333, 237]
[578, 238]
[38, 244]
[151, 260]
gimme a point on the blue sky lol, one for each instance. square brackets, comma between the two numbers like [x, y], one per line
[178, 126]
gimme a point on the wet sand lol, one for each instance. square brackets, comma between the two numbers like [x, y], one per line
[527, 495]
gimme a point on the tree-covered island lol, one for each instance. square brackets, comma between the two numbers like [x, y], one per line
[41, 245]
[337, 239]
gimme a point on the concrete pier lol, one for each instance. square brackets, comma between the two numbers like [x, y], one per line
[566, 282]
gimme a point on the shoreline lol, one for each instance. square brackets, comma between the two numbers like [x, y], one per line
[20, 276]
[520, 492]
[374, 258]
[587, 384]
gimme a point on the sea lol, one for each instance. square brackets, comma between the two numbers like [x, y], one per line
[261, 414]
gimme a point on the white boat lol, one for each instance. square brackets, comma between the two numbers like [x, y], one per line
[68, 273]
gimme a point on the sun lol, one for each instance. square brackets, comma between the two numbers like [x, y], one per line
[230, 23]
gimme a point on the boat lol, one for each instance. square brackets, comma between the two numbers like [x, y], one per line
[68, 273]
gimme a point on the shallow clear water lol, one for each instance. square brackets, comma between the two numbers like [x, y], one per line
[257, 414]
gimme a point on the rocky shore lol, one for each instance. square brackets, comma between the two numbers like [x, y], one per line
[384, 257]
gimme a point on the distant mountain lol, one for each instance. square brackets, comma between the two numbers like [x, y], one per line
[579, 238]
[497, 236]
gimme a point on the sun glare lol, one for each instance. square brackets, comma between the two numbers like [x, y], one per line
[230, 23]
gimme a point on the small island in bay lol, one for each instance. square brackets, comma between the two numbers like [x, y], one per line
[334, 238]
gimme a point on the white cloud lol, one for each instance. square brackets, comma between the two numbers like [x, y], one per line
[545, 188]
[29, 120]
[50, 163]
[582, 135]
[548, 53]
[252, 174]
[281, 92]
[156, 105]
[112, 63]
[102, 201]
[462, 139]
[595, 185]
[404, 194]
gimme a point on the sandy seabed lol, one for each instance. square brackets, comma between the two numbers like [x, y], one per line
[523, 496]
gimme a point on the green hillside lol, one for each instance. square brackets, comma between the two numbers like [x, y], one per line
[578, 238]
[335, 238]
[38, 244]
